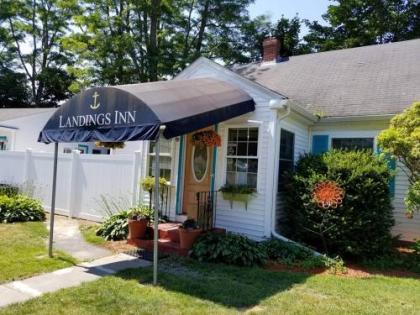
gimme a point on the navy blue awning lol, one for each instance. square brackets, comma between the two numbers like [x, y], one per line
[136, 111]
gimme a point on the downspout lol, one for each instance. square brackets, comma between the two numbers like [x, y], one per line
[276, 106]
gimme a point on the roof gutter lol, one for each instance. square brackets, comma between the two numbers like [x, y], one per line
[8, 127]
[355, 118]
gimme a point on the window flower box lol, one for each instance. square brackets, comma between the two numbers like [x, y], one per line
[239, 193]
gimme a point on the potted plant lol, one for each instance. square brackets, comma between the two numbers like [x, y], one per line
[209, 138]
[189, 231]
[139, 218]
[241, 193]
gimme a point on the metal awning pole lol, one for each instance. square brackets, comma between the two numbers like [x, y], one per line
[52, 212]
[156, 213]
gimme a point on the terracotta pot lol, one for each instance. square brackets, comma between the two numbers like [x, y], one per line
[187, 237]
[137, 228]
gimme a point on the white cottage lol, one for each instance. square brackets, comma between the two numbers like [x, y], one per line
[308, 103]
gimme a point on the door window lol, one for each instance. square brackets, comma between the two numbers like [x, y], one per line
[200, 158]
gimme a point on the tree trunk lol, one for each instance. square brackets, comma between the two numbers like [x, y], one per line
[153, 47]
[203, 24]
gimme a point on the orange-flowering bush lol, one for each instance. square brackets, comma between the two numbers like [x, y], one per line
[340, 203]
[209, 138]
[327, 194]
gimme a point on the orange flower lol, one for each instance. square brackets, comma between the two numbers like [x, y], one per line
[328, 194]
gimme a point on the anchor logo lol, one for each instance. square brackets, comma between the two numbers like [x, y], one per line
[95, 104]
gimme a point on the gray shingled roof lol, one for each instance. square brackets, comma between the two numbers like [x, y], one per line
[370, 80]
[13, 113]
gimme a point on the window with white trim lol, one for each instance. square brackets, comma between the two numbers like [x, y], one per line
[352, 144]
[242, 157]
[165, 158]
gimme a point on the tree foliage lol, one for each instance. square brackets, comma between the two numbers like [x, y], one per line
[355, 23]
[402, 141]
[50, 49]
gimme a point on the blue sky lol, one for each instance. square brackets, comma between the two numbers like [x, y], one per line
[307, 9]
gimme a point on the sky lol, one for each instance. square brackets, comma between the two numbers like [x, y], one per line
[307, 9]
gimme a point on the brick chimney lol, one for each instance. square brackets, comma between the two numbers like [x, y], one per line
[271, 49]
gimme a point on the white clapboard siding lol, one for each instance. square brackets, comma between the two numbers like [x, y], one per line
[408, 229]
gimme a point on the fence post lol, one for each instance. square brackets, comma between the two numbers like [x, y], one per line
[27, 172]
[135, 178]
[75, 156]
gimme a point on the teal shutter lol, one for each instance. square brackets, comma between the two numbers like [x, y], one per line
[319, 144]
[392, 166]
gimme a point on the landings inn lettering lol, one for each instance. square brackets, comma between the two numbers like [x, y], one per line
[101, 119]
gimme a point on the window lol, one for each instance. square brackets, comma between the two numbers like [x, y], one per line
[200, 162]
[242, 157]
[165, 159]
[352, 143]
[3, 143]
[286, 160]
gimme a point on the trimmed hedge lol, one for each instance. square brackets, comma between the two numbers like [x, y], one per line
[361, 225]
[20, 208]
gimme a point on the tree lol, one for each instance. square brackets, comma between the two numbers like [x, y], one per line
[13, 85]
[127, 41]
[287, 32]
[35, 28]
[402, 141]
[355, 23]
[13, 89]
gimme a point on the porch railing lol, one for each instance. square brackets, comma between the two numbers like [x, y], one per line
[206, 209]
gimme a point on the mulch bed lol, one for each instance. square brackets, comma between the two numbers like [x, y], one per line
[353, 271]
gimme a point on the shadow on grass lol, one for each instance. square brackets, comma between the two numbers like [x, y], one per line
[237, 287]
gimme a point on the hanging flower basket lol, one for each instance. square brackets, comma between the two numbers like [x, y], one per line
[328, 194]
[208, 138]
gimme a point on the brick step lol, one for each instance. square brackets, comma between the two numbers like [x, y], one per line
[169, 231]
[165, 246]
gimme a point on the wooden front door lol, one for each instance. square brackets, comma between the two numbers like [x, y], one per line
[198, 162]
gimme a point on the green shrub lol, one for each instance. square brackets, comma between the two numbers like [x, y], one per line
[360, 226]
[228, 248]
[19, 208]
[8, 190]
[115, 227]
[293, 255]
[285, 252]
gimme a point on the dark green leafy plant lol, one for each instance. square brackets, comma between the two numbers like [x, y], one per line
[293, 255]
[416, 247]
[237, 189]
[115, 228]
[140, 212]
[8, 190]
[361, 225]
[19, 208]
[228, 248]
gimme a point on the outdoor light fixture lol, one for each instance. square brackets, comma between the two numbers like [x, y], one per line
[258, 122]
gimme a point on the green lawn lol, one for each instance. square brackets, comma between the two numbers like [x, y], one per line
[192, 288]
[23, 251]
[89, 234]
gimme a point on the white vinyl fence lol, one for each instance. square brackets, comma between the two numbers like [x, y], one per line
[81, 179]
